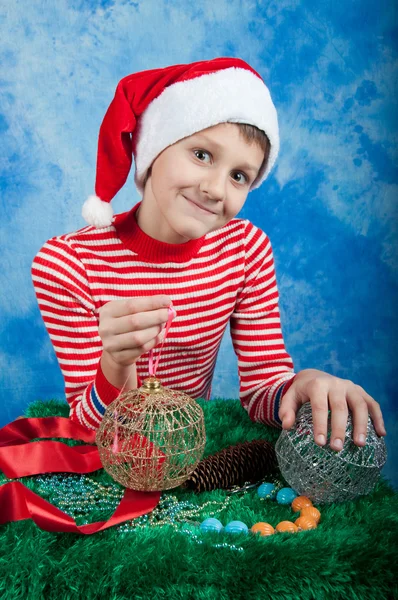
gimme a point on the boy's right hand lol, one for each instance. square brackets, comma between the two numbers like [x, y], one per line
[129, 328]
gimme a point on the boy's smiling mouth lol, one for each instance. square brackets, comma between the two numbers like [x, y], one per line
[199, 206]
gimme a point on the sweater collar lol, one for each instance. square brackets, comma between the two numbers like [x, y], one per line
[146, 247]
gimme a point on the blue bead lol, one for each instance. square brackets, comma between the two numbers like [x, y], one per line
[211, 525]
[264, 489]
[236, 527]
[286, 496]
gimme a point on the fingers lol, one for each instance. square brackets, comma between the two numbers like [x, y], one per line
[339, 404]
[129, 354]
[360, 415]
[133, 340]
[374, 411]
[288, 409]
[129, 328]
[340, 401]
[123, 308]
[140, 321]
[320, 412]
[339, 418]
[118, 317]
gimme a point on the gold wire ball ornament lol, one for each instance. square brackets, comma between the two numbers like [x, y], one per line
[152, 438]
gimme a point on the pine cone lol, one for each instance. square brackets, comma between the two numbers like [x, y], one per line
[235, 465]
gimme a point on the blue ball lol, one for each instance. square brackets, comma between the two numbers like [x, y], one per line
[209, 525]
[236, 527]
[286, 496]
[264, 489]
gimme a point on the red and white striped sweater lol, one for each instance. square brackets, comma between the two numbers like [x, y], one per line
[227, 275]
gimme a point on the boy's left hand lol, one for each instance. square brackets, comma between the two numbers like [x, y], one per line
[326, 392]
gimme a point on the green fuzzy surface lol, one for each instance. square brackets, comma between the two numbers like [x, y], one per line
[351, 555]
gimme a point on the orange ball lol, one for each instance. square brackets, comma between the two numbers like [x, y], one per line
[263, 528]
[312, 512]
[286, 526]
[299, 503]
[306, 523]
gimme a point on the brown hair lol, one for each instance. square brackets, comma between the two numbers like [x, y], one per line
[252, 135]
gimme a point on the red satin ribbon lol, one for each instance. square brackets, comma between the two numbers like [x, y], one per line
[19, 458]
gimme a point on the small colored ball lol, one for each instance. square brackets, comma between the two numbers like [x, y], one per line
[262, 529]
[286, 526]
[299, 503]
[265, 489]
[236, 527]
[210, 525]
[286, 496]
[312, 512]
[306, 523]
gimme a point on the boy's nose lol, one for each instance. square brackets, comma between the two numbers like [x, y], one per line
[214, 186]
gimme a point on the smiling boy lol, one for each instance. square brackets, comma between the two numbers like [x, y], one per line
[199, 184]
[203, 136]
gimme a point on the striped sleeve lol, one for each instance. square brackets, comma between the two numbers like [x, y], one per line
[68, 311]
[265, 368]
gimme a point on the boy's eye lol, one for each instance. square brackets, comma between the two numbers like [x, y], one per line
[200, 154]
[243, 178]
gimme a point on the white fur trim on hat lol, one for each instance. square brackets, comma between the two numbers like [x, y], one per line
[97, 213]
[186, 107]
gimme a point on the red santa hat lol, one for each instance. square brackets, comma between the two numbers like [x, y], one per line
[153, 109]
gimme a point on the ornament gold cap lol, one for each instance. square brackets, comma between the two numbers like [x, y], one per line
[151, 385]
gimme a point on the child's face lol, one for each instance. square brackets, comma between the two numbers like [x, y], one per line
[214, 169]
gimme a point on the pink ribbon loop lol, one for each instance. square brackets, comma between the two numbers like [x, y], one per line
[152, 367]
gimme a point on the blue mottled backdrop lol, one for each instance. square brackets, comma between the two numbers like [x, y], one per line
[330, 206]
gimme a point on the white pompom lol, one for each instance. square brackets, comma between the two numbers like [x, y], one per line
[97, 213]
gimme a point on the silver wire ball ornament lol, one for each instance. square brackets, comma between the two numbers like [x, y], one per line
[323, 474]
[151, 438]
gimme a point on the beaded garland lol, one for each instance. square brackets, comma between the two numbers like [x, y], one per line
[78, 494]
[309, 515]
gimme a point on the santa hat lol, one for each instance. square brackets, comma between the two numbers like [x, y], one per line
[154, 109]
